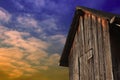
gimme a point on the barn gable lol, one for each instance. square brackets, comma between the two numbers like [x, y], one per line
[81, 11]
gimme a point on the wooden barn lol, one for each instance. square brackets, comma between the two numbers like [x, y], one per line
[92, 48]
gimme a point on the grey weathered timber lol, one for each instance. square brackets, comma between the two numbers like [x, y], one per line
[74, 68]
[96, 58]
[108, 61]
[92, 47]
[100, 49]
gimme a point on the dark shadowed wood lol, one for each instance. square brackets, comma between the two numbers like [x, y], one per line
[115, 48]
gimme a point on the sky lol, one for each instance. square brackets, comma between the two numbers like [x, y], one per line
[33, 34]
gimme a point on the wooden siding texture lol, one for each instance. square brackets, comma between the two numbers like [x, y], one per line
[90, 55]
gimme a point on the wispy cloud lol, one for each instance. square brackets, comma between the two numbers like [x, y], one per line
[27, 21]
[18, 5]
[4, 15]
[49, 24]
[59, 38]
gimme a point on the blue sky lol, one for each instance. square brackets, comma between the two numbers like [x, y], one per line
[58, 12]
[33, 32]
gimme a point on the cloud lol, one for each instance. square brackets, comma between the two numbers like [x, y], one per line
[27, 21]
[33, 22]
[53, 59]
[7, 52]
[16, 39]
[58, 38]
[2, 30]
[12, 64]
[15, 73]
[38, 57]
[28, 54]
[4, 15]
[43, 61]
[49, 24]
[38, 6]
[16, 62]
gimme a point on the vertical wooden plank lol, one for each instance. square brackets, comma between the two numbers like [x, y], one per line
[82, 51]
[79, 49]
[71, 65]
[88, 55]
[83, 47]
[86, 45]
[76, 52]
[90, 46]
[74, 65]
[100, 49]
[88, 50]
[96, 56]
[107, 52]
[81, 68]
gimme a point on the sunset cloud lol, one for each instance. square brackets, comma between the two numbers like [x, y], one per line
[53, 59]
[28, 41]
[13, 53]
[11, 62]
[25, 51]
[16, 38]
[38, 57]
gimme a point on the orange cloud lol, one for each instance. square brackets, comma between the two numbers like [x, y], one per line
[16, 62]
[12, 64]
[53, 59]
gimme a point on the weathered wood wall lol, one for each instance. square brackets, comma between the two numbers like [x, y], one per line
[90, 56]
